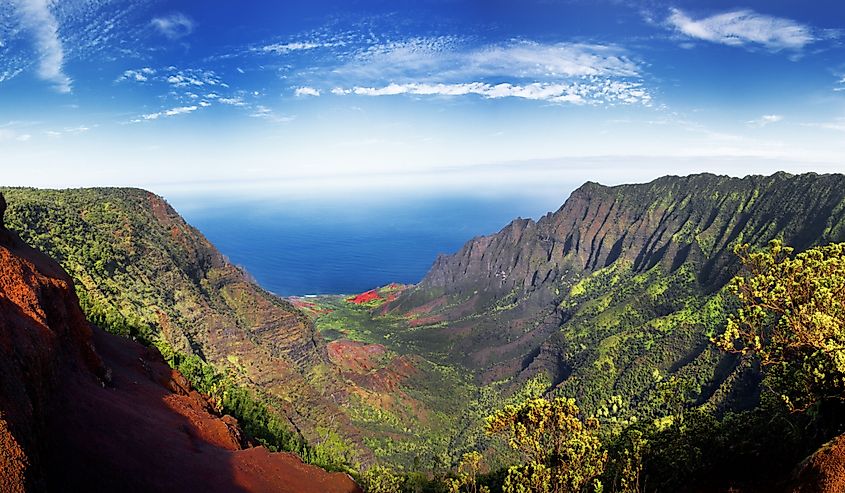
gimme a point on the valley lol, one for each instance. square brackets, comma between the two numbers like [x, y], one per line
[612, 300]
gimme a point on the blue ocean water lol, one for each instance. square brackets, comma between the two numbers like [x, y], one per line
[307, 246]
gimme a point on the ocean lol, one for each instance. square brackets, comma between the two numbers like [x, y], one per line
[319, 246]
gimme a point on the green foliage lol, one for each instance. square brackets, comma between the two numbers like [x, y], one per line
[467, 477]
[381, 479]
[792, 316]
[562, 451]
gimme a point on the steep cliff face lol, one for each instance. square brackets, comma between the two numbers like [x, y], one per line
[618, 287]
[82, 410]
[140, 267]
[669, 221]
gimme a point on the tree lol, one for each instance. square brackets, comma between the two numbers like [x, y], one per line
[562, 451]
[792, 316]
[380, 479]
[467, 480]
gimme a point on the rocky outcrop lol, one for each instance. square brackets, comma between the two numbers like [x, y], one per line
[82, 410]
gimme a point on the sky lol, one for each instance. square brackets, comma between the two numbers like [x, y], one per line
[330, 97]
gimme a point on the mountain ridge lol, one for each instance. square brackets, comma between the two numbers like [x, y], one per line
[72, 396]
[142, 269]
[521, 278]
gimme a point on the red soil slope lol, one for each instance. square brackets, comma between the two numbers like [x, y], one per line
[81, 410]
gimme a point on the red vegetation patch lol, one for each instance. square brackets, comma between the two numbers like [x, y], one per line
[356, 356]
[365, 297]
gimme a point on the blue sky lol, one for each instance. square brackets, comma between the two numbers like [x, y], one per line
[326, 97]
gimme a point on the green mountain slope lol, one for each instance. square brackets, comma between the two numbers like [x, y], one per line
[618, 289]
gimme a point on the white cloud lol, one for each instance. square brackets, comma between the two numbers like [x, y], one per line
[68, 131]
[284, 48]
[744, 27]
[37, 17]
[193, 77]
[180, 110]
[138, 75]
[233, 101]
[174, 26]
[443, 57]
[590, 91]
[9, 74]
[764, 120]
[307, 91]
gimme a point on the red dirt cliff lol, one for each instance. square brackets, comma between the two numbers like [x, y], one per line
[82, 410]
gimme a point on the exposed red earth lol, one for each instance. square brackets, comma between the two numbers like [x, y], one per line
[364, 297]
[82, 410]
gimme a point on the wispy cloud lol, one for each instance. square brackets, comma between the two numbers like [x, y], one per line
[80, 129]
[837, 124]
[586, 92]
[743, 28]
[233, 101]
[578, 73]
[13, 135]
[284, 48]
[446, 59]
[306, 91]
[174, 26]
[764, 120]
[179, 110]
[9, 74]
[193, 77]
[36, 17]
[174, 77]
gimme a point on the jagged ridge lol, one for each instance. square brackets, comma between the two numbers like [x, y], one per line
[650, 256]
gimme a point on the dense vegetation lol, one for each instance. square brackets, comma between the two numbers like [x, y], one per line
[788, 317]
